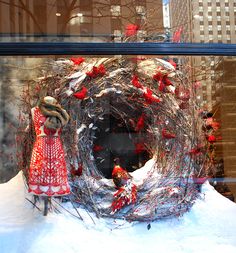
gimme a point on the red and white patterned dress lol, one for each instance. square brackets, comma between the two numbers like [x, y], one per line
[48, 173]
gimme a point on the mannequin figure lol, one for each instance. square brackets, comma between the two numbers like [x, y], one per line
[48, 173]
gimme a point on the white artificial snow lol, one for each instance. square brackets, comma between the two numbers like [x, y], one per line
[148, 169]
[108, 90]
[210, 226]
[80, 129]
[139, 175]
[166, 64]
[69, 92]
[74, 83]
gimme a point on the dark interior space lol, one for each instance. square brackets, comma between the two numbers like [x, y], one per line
[115, 139]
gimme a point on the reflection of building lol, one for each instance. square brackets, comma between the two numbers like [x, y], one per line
[91, 19]
[180, 27]
[226, 112]
[213, 22]
[204, 22]
[166, 15]
[73, 20]
[180, 20]
[208, 21]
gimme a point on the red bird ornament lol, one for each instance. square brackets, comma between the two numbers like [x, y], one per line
[167, 135]
[77, 61]
[126, 191]
[120, 176]
[81, 94]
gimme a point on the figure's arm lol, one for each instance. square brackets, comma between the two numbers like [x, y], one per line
[65, 116]
[28, 127]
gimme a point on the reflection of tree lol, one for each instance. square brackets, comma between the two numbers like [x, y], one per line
[8, 124]
[69, 8]
[23, 6]
[147, 14]
[101, 12]
[15, 73]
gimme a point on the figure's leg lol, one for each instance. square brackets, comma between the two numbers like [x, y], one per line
[59, 198]
[45, 210]
[36, 199]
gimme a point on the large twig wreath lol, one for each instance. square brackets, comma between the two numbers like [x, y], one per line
[152, 99]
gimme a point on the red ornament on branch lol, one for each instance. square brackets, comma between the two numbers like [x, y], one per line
[140, 123]
[196, 151]
[150, 98]
[77, 61]
[182, 93]
[212, 123]
[166, 81]
[131, 30]
[158, 76]
[76, 172]
[136, 82]
[127, 191]
[97, 71]
[119, 175]
[211, 138]
[163, 81]
[124, 196]
[173, 63]
[97, 148]
[167, 135]
[81, 94]
[139, 148]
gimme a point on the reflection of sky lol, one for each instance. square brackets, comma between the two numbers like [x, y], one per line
[165, 1]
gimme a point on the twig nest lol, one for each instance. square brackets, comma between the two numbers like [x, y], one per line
[144, 98]
[166, 188]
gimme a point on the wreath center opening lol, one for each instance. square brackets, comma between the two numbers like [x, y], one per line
[116, 139]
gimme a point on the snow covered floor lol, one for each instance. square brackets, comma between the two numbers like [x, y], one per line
[209, 227]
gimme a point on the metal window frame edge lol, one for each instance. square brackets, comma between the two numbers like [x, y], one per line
[128, 48]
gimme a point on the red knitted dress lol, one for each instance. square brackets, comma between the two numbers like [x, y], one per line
[48, 173]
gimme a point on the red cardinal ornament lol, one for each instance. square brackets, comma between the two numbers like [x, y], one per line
[81, 94]
[166, 134]
[119, 175]
[182, 93]
[173, 63]
[97, 148]
[76, 172]
[211, 138]
[162, 80]
[140, 123]
[150, 98]
[124, 196]
[126, 192]
[139, 148]
[136, 82]
[97, 71]
[131, 30]
[77, 61]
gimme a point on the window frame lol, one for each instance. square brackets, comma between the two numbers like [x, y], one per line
[102, 48]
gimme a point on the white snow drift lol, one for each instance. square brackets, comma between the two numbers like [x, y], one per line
[209, 227]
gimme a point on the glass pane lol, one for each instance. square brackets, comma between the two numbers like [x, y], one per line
[82, 21]
[118, 21]
[195, 21]
[208, 81]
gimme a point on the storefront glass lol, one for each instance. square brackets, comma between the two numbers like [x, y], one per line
[165, 21]
[212, 78]
[120, 21]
